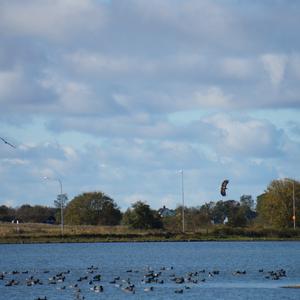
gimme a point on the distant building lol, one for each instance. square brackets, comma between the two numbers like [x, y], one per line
[166, 212]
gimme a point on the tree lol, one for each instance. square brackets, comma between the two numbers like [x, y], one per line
[196, 218]
[7, 214]
[248, 208]
[232, 210]
[237, 216]
[61, 201]
[247, 200]
[206, 214]
[224, 210]
[34, 214]
[219, 212]
[93, 208]
[275, 206]
[141, 216]
[60, 204]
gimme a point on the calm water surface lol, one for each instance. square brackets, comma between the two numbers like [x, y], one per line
[116, 259]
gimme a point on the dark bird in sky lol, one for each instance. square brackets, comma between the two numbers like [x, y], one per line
[6, 142]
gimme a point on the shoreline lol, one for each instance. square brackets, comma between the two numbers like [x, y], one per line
[29, 233]
[91, 240]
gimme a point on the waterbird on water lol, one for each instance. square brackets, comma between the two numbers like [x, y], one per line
[129, 285]
[97, 289]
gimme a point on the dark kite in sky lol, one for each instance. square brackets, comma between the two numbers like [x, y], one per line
[224, 187]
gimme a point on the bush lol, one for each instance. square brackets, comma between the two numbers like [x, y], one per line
[140, 216]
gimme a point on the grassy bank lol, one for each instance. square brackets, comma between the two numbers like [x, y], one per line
[43, 233]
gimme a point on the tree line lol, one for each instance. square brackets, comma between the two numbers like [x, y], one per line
[28, 214]
[272, 209]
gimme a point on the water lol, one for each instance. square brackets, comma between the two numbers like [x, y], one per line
[115, 259]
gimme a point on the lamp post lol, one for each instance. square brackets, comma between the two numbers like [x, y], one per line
[294, 203]
[12, 146]
[182, 198]
[61, 202]
[294, 206]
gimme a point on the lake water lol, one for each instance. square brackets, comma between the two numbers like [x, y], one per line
[131, 261]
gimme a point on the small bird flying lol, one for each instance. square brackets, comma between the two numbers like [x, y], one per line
[6, 142]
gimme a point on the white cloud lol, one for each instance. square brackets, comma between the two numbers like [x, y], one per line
[72, 97]
[54, 19]
[19, 94]
[275, 65]
[238, 67]
[250, 137]
[192, 19]
[294, 64]
[8, 81]
[70, 153]
[15, 161]
[106, 65]
[212, 97]
[96, 62]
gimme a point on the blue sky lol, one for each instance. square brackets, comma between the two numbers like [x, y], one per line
[120, 95]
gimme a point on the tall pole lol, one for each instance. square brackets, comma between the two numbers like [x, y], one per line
[294, 206]
[61, 203]
[61, 208]
[182, 196]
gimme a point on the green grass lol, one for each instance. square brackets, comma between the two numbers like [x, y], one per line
[43, 233]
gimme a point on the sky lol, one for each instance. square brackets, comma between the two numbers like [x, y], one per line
[119, 96]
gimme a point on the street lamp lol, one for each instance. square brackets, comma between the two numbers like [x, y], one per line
[182, 198]
[294, 203]
[61, 202]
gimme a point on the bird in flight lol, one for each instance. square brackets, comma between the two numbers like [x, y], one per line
[6, 142]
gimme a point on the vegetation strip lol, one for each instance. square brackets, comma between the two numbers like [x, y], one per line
[94, 216]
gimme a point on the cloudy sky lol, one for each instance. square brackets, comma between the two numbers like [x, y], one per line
[120, 95]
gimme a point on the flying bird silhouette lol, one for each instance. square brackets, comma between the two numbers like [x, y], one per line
[6, 142]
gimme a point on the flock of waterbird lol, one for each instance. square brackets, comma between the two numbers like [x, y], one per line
[130, 281]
